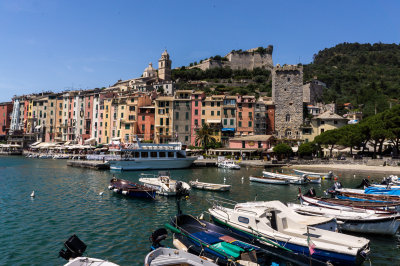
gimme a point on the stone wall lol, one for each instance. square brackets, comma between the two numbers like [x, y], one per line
[312, 93]
[287, 94]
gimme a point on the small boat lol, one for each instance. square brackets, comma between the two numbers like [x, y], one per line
[310, 198]
[164, 185]
[74, 249]
[293, 179]
[228, 164]
[209, 186]
[45, 156]
[359, 221]
[229, 248]
[314, 179]
[338, 190]
[328, 175]
[173, 257]
[61, 156]
[134, 190]
[274, 221]
[270, 180]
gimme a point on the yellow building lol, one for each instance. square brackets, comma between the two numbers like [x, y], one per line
[324, 122]
[164, 119]
[211, 114]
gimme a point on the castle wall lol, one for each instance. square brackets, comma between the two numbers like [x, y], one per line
[287, 94]
[249, 60]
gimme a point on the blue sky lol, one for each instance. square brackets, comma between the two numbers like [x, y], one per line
[66, 44]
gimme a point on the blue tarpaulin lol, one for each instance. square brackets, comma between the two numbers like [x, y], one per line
[227, 129]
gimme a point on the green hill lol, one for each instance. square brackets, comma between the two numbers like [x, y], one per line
[366, 75]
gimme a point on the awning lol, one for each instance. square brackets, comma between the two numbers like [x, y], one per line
[227, 129]
[38, 127]
[67, 143]
[116, 139]
[90, 141]
[36, 143]
[214, 121]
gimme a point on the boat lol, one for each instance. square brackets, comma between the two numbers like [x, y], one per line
[74, 249]
[293, 179]
[209, 186]
[375, 207]
[164, 185]
[61, 156]
[314, 179]
[168, 256]
[130, 189]
[228, 164]
[328, 175]
[274, 221]
[198, 236]
[270, 180]
[359, 221]
[338, 190]
[45, 156]
[147, 156]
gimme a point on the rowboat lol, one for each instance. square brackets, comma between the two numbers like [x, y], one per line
[128, 188]
[269, 180]
[354, 221]
[338, 190]
[227, 164]
[293, 179]
[209, 186]
[328, 175]
[274, 221]
[339, 204]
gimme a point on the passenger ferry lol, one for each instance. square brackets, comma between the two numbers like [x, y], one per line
[148, 156]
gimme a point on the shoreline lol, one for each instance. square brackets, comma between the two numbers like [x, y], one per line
[348, 168]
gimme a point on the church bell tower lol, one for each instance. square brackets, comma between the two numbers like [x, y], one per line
[164, 67]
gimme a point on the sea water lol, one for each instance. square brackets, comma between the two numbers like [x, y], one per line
[116, 228]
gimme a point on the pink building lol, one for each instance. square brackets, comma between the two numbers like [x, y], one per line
[197, 98]
[88, 114]
[256, 142]
[5, 118]
[145, 122]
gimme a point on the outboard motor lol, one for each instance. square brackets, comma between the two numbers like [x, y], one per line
[364, 183]
[386, 181]
[158, 236]
[180, 190]
[74, 248]
[332, 190]
[311, 193]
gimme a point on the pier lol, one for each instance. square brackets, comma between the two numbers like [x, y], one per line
[243, 163]
[99, 165]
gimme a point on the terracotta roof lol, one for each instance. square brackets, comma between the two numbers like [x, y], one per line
[253, 138]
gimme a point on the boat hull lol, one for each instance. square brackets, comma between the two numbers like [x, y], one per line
[150, 164]
[266, 180]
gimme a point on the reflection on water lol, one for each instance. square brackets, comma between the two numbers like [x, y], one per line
[114, 227]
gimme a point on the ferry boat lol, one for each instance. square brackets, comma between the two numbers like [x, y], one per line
[148, 156]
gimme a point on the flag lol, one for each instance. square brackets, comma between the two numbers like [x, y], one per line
[311, 245]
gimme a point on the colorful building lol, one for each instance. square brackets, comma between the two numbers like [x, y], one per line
[182, 116]
[228, 119]
[245, 115]
[211, 114]
[164, 119]
[197, 100]
[5, 118]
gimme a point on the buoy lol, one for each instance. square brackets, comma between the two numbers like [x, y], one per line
[187, 197]
[101, 193]
[368, 176]
[335, 178]
[115, 190]
[33, 194]
[110, 187]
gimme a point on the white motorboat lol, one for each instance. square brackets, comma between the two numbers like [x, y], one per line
[168, 256]
[274, 221]
[293, 179]
[61, 156]
[360, 221]
[164, 184]
[228, 164]
[209, 186]
[269, 180]
[86, 261]
[45, 156]
[328, 175]
[145, 156]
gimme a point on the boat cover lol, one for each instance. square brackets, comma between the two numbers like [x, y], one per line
[229, 249]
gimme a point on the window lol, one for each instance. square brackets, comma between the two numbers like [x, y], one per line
[186, 138]
[196, 103]
[240, 123]
[167, 121]
[143, 127]
[212, 113]
[203, 112]
[225, 111]
[231, 123]
[202, 121]
[225, 122]
[288, 79]
[186, 128]
[151, 127]
[335, 122]
[122, 115]
[196, 112]
[250, 124]
[127, 126]
[240, 114]
[322, 122]
[203, 104]
[176, 115]
[187, 115]
[232, 112]
[218, 104]
[288, 133]
[287, 118]
[161, 121]
[218, 113]
[212, 104]
[322, 130]
[250, 114]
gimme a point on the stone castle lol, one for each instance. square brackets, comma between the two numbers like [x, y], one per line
[249, 59]
[287, 95]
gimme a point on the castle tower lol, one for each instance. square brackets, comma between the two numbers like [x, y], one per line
[164, 67]
[287, 94]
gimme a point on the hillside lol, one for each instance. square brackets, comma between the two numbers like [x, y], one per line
[366, 75]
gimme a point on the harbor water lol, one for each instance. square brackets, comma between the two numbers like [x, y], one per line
[116, 228]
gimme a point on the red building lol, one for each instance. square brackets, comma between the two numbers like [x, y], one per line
[245, 115]
[5, 118]
[145, 122]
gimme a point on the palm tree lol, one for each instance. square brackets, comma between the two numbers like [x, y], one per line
[204, 136]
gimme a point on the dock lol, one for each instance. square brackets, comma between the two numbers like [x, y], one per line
[99, 165]
[243, 163]
[205, 163]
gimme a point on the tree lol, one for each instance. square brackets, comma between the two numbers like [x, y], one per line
[329, 138]
[392, 124]
[351, 136]
[378, 131]
[204, 136]
[307, 149]
[282, 150]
